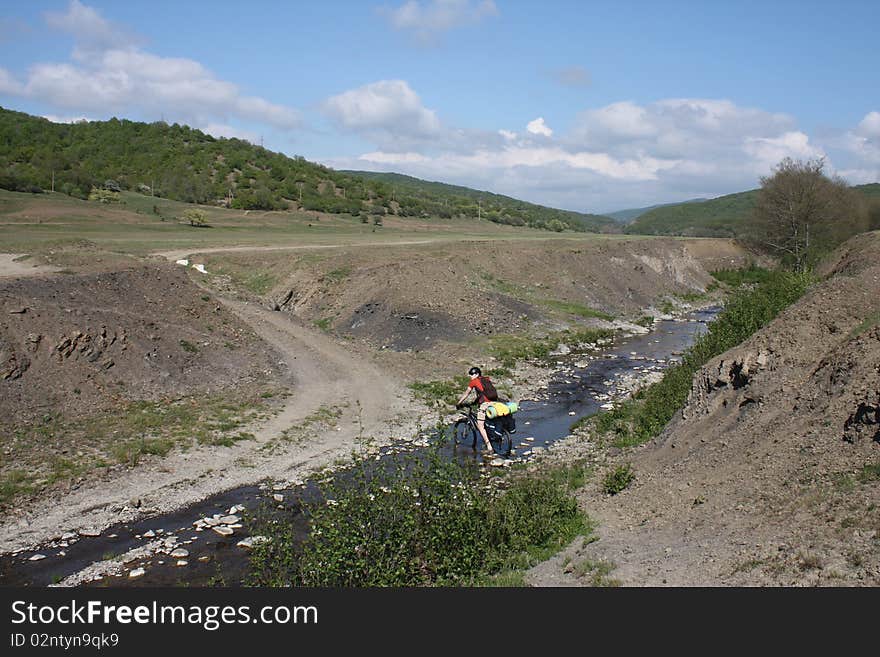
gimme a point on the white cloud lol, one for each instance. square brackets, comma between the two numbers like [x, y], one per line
[507, 134]
[426, 21]
[379, 157]
[870, 125]
[388, 111]
[92, 31]
[66, 119]
[538, 127]
[770, 151]
[106, 75]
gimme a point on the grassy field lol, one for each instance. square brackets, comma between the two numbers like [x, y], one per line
[143, 224]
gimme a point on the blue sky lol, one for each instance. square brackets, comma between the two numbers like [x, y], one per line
[590, 106]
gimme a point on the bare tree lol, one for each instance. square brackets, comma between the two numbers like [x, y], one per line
[801, 213]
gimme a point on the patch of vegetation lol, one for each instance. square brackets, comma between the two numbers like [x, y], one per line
[748, 309]
[869, 473]
[645, 320]
[618, 479]
[338, 275]
[510, 349]
[189, 347]
[869, 323]
[425, 521]
[444, 391]
[751, 275]
[324, 323]
[260, 282]
[596, 572]
[55, 450]
[578, 309]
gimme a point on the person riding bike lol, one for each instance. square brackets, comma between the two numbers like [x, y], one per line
[486, 394]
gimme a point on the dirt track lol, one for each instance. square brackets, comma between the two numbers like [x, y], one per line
[325, 375]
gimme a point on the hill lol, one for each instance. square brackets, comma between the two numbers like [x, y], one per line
[631, 214]
[718, 217]
[180, 163]
[442, 198]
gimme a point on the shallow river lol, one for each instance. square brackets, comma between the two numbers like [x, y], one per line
[578, 388]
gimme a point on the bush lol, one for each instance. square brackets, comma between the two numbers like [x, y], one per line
[423, 521]
[618, 479]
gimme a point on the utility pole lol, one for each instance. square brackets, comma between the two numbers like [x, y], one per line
[53, 180]
[479, 209]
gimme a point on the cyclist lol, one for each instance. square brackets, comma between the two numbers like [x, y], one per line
[485, 391]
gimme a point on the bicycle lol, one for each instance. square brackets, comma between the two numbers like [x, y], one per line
[465, 430]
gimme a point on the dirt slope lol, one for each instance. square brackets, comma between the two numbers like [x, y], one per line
[771, 475]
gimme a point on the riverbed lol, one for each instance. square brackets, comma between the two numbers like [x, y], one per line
[201, 545]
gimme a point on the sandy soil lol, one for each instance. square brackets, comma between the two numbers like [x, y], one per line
[12, 267]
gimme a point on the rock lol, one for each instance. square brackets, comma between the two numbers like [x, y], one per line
[91, 531]
[37, 557]
[149, 534]
[137, 572]
[181, 562]
[205, 558]
[66, 536]
[210, 522]
[223, 530]
[229, 520]
[180, 553]
[251, 541]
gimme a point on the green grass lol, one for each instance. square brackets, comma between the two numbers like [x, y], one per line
[618, 479]
[596, 572]
[445, 391]
[578, 309]
[509, 349]
[325, 323]
[869, 323]
[869, 473]
[52, 449]
[426, 522]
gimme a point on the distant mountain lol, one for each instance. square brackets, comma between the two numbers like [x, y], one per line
[718, 217]
[627, 216]
[441, 197]
[180, 163]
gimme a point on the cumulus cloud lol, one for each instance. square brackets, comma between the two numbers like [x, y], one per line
[107, 74]
[870, 125]
[538, 127]
[66, 119]
[427, 21]
[388, 111]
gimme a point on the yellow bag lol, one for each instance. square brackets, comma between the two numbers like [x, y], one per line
[497, 409]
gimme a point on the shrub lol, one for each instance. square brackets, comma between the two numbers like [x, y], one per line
[420, 521]
[618, 479]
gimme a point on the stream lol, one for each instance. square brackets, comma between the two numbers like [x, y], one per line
[186, 547]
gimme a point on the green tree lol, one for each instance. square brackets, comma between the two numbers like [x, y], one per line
[195, 217]
[801, 213]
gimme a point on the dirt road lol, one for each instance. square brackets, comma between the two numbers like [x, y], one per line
[11, 267]
[325, 376]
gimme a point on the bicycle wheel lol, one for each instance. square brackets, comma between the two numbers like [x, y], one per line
[464, 432]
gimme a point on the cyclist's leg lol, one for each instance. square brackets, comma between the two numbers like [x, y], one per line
[481, 425]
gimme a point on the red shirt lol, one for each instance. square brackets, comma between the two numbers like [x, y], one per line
[477, 384]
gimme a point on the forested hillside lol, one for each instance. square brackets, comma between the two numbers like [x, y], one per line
[725, 216]
[180, 163]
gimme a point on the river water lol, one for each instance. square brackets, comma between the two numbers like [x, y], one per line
[579, 387]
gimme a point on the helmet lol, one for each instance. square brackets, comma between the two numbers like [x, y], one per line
[475, 370]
